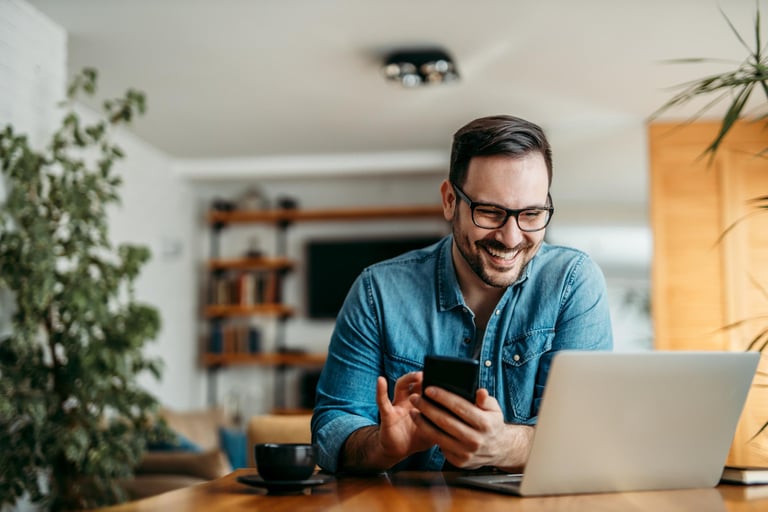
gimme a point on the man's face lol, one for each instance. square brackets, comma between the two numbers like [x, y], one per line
[498, 256]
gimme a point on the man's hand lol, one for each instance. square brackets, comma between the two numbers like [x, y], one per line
[378, 448]
[471, 435]
[398, 433]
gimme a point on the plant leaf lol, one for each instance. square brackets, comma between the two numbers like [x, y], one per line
[733, 115]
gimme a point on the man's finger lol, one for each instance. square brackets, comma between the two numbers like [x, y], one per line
[485, 401]
[382, 398]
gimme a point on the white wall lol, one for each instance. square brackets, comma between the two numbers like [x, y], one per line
[157, 212]
[156, 209]
[32, 80]
[32, 69]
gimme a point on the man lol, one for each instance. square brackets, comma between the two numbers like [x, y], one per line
[493, 290]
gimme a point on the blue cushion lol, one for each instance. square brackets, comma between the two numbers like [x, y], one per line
[234, 444]
[179, 443]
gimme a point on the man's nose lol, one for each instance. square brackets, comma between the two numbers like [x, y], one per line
[511, 232]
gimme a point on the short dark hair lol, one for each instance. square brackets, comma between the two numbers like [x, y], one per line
[496, 135]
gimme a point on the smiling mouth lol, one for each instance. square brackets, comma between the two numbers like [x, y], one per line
[502, 259]
[506, 255]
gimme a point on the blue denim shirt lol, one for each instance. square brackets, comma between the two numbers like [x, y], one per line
[399, 310]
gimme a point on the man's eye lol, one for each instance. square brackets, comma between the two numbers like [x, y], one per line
[489, 212]
[531, 214]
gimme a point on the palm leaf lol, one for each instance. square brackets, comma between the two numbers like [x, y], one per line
[758, 209]
[765, 92]
[749, 72]
[736, 32]
[762, 289]
[739, 323]
[733, 115]
[697, 88]
[740, 84]
[761, 339]
[758, 46]
[765, 425]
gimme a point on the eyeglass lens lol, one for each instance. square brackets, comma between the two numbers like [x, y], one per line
[491, 217]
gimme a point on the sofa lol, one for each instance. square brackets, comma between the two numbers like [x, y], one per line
[199, 456]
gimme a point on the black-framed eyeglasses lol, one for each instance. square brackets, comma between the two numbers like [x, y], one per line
[491, 216]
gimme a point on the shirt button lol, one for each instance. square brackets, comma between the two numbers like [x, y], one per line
[488, 363]
[464, 310]
[516, 357]
[498, 312]
[467, 340]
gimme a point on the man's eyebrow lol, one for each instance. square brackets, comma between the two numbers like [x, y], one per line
[544, 206]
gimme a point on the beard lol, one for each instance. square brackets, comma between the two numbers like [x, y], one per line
[490, 274]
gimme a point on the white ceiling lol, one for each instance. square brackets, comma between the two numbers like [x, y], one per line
[246, 78]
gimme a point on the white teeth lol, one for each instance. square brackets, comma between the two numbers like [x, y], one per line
[506, 255]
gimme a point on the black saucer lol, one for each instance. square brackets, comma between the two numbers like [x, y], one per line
[284, 486]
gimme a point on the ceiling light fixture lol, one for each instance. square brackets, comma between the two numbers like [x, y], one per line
[415, 67]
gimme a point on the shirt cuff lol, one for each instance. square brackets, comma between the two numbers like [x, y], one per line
[332, 436]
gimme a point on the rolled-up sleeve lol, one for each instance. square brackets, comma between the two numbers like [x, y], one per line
[346, 392]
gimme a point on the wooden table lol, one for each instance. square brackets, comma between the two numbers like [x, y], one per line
[423, 492]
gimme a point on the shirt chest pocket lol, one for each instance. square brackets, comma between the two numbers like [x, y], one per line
[521, 366]
[396, 367]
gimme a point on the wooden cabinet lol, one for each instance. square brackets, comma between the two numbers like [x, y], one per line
[710, 261]
[242, 288]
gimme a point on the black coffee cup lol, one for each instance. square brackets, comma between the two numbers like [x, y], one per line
[285, 461]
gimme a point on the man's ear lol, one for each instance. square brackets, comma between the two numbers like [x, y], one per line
[448, 199]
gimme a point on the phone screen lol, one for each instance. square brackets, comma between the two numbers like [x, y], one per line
[455, 374]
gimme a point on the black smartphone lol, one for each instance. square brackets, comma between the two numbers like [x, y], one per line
[458, 375]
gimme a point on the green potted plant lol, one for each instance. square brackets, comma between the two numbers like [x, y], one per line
[734, 87]
[73, 419]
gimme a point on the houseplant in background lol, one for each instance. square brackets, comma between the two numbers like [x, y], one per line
[744, 91]
[73, 419]
[737, 86]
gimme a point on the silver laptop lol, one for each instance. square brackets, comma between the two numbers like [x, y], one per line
[632, 421]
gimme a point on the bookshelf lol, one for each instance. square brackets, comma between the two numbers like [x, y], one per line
[245, 287]
[332, 214]
[273, 359]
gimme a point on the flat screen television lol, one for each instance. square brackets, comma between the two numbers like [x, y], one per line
[333, 265]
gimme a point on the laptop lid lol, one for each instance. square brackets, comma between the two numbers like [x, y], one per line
[636, 421]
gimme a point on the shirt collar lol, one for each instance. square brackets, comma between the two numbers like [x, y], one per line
[448, 290]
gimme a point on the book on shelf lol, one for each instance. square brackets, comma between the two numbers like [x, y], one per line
[221, 291]
[271, 287]
[247, 288]
[254, 340]
[234, 339]
[746, 475]
[216, 340]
